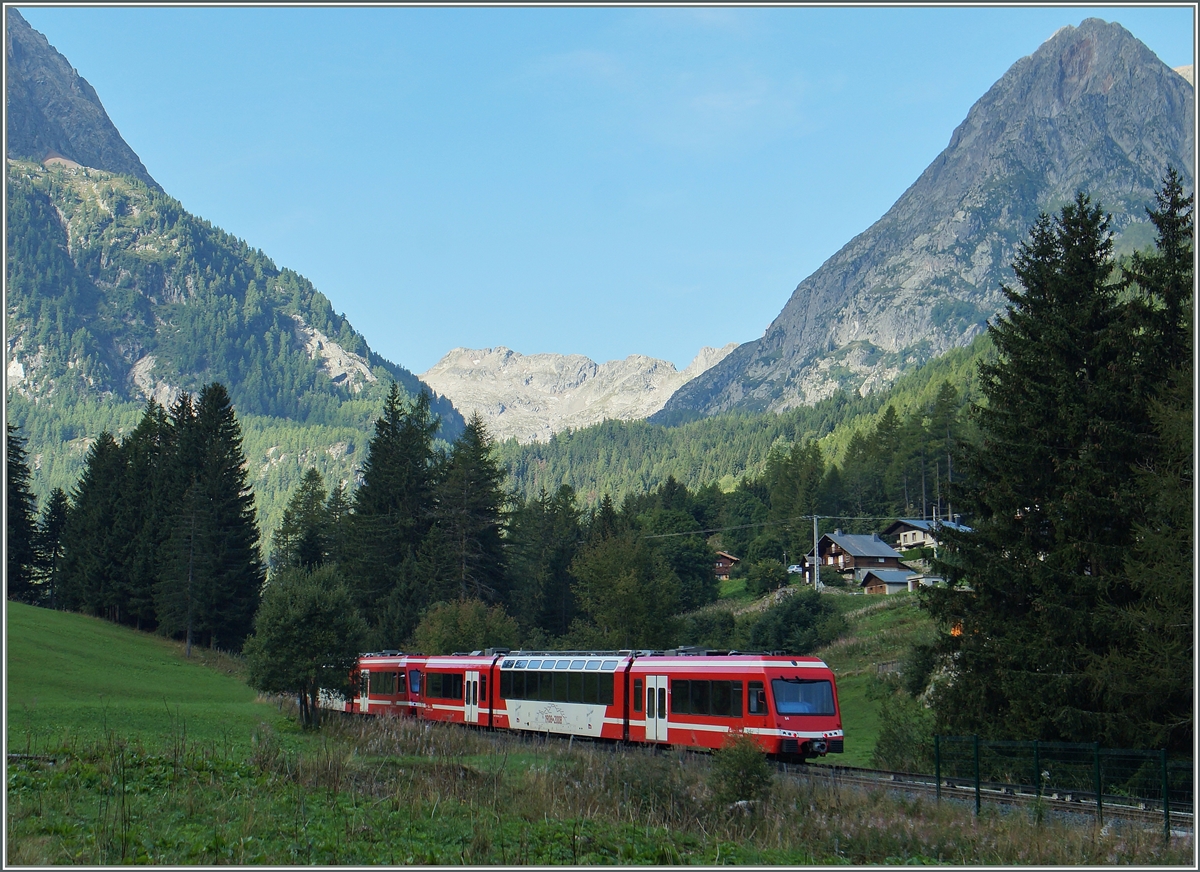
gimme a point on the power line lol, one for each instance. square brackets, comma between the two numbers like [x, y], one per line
[773, 523]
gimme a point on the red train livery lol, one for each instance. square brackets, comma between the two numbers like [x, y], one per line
[690, 697]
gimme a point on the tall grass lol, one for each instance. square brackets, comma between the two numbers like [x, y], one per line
[390, 791]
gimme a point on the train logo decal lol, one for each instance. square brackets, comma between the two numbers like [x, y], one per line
[552, 715]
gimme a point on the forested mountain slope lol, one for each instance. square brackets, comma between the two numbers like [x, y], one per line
[1093, 109]
[620, 458]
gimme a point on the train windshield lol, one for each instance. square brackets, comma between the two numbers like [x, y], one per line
[802, 696]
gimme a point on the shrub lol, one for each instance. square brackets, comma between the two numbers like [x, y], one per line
[740, 771]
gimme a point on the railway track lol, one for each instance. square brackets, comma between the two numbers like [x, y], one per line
[1076, 804]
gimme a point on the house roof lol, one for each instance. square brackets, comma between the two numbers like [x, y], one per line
[729, 556]
[888, 576]
[861, 546]
[927, 526]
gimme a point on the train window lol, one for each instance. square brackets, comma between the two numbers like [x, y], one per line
[414, 681]
[735, 699]
[802, 696]
[662, 702]
[606, 689]
[576, 664]
[650, 702]
[758, 698]
[591, 688]
[593, 664]
[560, 687]
[402, 685]
[720, 698]
[681, 696]
[564, 664]
[433, 686]
[637, 694]
[521, 664]
[483, 688]
[546, 686]
[383, 683]
[701, 697]
[534, 664]
[507, 664]
[506, 686]
[575, 687]
[609, 664]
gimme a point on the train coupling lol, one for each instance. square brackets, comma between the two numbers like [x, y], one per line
[818, 746]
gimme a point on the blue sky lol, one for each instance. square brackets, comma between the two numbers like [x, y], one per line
[599, 181]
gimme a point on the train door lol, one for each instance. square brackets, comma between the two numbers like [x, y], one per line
[364, 691]
[656, 708]
[756, 708]
[471, 697]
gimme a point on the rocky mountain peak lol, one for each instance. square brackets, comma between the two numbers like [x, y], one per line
[54, 115]
[1093, 110]
[532, 397]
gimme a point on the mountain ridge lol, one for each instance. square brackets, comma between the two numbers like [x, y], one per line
[531, 397]
[1092, 109]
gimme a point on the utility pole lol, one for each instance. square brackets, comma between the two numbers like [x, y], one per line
[816, 558]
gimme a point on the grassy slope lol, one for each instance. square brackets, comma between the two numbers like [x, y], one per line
[74, 676]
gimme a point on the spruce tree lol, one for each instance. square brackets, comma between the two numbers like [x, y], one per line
[545, 534]
[390, 567]
[470, 518]
[19, 553]
[138, 522]
[1050, 488]
[92, 580]
[303, 538]
[50, 532]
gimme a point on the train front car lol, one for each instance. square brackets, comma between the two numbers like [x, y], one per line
[806, 719]
[787, 704]
[570, 693]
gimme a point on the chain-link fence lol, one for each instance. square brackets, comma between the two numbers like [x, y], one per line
[1144, 780]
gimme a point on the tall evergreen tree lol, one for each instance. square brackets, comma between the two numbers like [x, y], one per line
[19, 554]
[545, 535]
[391, 572]
[50, 545]
[92, 580]
[138, 520]
[211, 585]
[470, 517]
[303, 539]
[1051, 492]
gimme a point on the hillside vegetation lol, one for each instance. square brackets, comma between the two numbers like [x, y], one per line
[619, 458]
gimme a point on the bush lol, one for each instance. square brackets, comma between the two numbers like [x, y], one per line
[765, 576]
[905, 741]
[800, 624]
[740, 771]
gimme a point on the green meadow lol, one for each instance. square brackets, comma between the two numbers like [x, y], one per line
[123, 751]
[73, 678]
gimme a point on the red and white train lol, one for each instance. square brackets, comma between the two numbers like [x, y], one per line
[689, 697]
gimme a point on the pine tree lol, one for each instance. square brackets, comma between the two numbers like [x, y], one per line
[391, 572]
[50, 545]
[1051, 492]
[138, 523]
[212, 575]
[545, 534]
[91, 578]
[19, 553]
[303, 539]
[470, 517]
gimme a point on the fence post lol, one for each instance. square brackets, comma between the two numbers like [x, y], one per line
[937, 766]
[1099, 787]
[1166, 799]
[1037, 771]
[975, 737]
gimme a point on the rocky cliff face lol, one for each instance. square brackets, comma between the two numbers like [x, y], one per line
[53, 113]
[1092, 109]
[531, 397]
